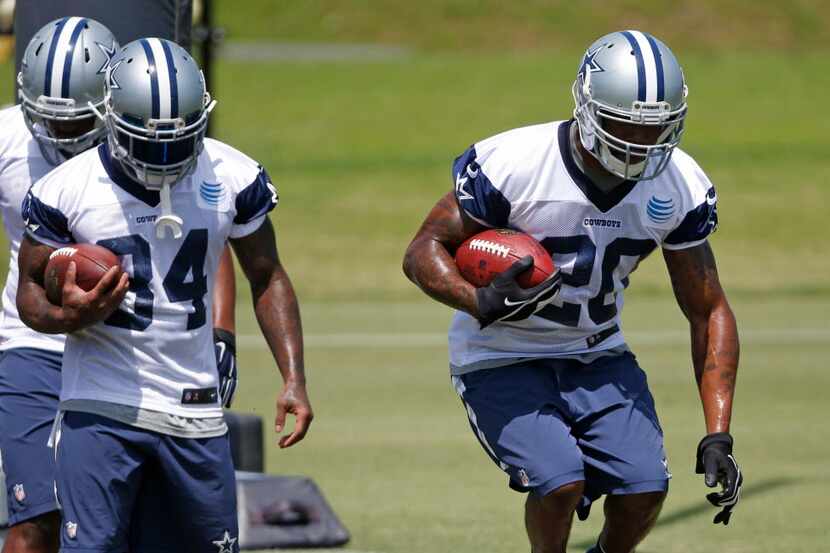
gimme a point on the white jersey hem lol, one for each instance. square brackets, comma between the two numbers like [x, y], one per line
[196, 412]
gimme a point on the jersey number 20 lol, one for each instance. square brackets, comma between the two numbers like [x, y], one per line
[190, 259]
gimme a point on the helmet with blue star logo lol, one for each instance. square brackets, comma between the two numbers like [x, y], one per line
[630, 80]
[156, 110]
[61, 83]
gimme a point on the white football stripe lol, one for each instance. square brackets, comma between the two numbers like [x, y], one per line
[163, 75]
[650, 65]
[60, 55]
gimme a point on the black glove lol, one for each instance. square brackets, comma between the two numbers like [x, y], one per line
[505, 300]
[715, 460]
[225, 343]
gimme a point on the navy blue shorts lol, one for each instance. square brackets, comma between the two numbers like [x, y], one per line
[123, 488]
[550, 422]
[30, 383]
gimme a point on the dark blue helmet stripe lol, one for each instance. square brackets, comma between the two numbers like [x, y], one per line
[174, 86]
[50, 60]
[641, 68]
[67, 62]
[658, 63]
[154, 79]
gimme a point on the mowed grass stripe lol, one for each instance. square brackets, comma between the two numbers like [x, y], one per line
[766, 336]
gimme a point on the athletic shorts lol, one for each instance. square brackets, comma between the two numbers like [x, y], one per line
[30, 383]
[123, 488]
[550, 422]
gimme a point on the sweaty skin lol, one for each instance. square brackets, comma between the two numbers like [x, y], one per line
[429, 262]
[278, 314]
[224, 294]
[715, 346]
[80, 309]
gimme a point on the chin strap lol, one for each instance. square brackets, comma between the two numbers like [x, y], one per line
[168, 219]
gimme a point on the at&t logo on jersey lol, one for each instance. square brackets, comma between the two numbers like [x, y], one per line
[212, 195]
[660, 210]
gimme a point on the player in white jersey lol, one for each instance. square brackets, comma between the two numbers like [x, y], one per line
[143, 458]
[63, 69]
[556, 399]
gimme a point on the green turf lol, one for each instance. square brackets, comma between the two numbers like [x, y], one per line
[361, 150]
[392, 450]
[496, 25]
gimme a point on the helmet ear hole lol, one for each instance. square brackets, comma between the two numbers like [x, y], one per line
[86, 55]
[39, 48]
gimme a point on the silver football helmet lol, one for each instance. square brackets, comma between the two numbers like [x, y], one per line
[630, 77]
[156, 110]
[61, 76]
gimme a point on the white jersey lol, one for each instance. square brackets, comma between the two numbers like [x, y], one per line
[526, 179]
[156, 352]
[21, 164]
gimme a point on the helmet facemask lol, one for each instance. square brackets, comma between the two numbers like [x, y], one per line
[162, 151]
[43, 113]
[625, 159]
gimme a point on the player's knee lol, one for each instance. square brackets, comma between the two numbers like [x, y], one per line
[565, 498]
[37, 535]
[641, 506]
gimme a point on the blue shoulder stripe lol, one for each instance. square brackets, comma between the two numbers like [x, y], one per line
[698, 223]
[476, 194]
[44, 221]
[256, 199]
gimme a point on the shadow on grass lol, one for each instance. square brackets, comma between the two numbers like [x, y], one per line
[680, 515]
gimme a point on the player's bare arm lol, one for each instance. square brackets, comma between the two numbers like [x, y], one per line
[224, 294]
[278, 314]
[715, 352]
[79, 309]
[714, 331]
[429, 263]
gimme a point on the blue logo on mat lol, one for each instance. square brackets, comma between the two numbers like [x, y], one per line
[212, 192]
[659, 210]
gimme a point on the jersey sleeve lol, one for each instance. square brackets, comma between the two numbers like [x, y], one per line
[45, 221]
[700, 218]
[253, 203]
[479, 196]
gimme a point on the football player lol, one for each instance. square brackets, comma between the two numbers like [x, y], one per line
[556, 398]
[143, 458]
[63, 70]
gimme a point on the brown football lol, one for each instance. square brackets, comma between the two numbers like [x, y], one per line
[481, 257]
[91, 262]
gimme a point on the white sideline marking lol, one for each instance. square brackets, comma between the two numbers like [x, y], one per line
[400, 340]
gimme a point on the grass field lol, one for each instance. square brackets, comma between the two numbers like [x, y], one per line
[361, 150]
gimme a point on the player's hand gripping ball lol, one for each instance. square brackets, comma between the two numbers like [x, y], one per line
[483, 256]
[91, 263]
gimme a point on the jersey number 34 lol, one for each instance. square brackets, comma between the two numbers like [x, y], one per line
[190, 259]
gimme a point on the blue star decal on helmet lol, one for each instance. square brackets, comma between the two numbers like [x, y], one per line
[108, 53]
[112, 83]
[589, 62]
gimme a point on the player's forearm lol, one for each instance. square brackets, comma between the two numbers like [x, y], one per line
[37, 312]
[278, 314]
[429, 265]
[224, 294]
[715, 352]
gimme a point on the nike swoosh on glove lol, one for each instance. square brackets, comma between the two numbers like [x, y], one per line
[716, 463]
[225, 343]
[504, 300]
